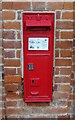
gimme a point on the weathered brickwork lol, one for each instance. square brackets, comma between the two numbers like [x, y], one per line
[64, 67]
[2, 89]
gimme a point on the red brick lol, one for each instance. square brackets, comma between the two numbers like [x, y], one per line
[67, 35]
[19, 71]
[11, 95]
[57, 71]
[1, 47]
[0, 5]
[55, 88]
[8, 34]
[0, 15]
[63, 62]
[11, 103]
[66, 53]
[57, 34]
[55, 5]
[64, 25]
[72, 96]
[58, 95]
[0, 34]
[1, 98]
[0, 25]
[1, 50]
[72, 75]
[12, 79]
[9, 54]
[73, 82]
[73, 51]
[65, 71]
[21, 5]
[1, 105]
[18, 53]
[1, 84]
[58, 13]
[65, 88]
[64, 44]
[37, 104]
[67, 15]
[1, 60]
[12, 44]
[73, 116]
[20, 87]
[3, 112]
[73, 59]
[16, 5]
[74, 24]
[56, 53]
[11, 87]
[69, 103]
[12, 63]
[56, 110]
[68, 6]
[7, 5]
[62, 79]
[74, 92]
[73, 43]
[17, 111]
[10, 71]
[12, 111]
[11, 25]
[74, 67]
[38, 5]
[12, 116]
[65, 117]
[8, 15]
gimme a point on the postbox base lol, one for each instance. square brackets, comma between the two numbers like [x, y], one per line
[38, 100]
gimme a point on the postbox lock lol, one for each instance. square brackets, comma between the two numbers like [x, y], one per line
[30, 66]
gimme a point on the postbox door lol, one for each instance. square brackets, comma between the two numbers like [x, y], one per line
[38, 76]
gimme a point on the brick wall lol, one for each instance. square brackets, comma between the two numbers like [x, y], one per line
[73, 63]
[62, 104]
[1, 64]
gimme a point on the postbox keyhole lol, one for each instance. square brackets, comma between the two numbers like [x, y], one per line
[32, 81]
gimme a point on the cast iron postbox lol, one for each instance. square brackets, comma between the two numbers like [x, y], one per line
[38, 40]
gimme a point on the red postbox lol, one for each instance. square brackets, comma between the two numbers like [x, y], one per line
[38, 41]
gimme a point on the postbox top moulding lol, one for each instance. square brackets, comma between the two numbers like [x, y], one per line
[37, 19]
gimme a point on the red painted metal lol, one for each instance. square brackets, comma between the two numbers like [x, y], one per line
[38, 64]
